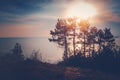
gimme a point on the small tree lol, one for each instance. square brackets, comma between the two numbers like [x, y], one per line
[36, 56]
[108, 38]
[17, 52]
[100, 35]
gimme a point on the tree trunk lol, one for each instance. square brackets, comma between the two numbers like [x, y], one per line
[66, 49]
[74, 42]
[89, 50]
[84, 46]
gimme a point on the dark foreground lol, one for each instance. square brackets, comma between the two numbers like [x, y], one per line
[45, 71]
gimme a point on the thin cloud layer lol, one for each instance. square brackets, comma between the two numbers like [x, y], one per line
[24, 15]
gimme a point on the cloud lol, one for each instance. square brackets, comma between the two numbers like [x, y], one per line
[18, 8]
[12, 10]
[34, 23]
[44, 13]
[108, 10]
[24, 30]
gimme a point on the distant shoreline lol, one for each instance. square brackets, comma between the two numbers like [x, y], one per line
[21, 37]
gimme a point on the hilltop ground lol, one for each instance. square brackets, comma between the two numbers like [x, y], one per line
[45, 71]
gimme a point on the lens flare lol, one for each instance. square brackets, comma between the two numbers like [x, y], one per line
[82, 10]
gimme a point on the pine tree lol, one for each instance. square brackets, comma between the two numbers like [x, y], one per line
[100, 35]
[109, 40]
[17, 52]
[84, 27]
[59, 35]
[72, 27]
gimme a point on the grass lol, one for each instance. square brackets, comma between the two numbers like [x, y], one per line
[46, 71]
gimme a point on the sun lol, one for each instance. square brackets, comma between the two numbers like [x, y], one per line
[82, 10]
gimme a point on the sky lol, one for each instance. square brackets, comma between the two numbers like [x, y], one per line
[35, 18]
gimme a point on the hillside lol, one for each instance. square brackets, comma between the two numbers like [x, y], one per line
[45, 71]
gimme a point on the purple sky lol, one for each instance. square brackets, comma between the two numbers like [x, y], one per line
[35, 18]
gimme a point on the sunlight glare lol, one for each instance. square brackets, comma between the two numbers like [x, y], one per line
[79, 46]
[82, 10]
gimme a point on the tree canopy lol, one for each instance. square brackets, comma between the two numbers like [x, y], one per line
[79, 37]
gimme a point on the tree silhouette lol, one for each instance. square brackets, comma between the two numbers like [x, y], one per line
[36, 56]
[108, 38]
[72, 27]
[17, 52]
[59, 35]
[100, 41]
[71, 33]
[84, 27]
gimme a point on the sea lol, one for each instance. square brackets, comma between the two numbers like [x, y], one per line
[49, 51]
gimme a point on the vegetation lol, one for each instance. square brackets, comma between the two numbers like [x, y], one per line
[86, 46]
[14, 66]
[88, 51]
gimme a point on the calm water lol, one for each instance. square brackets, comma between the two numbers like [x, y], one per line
[50, 51]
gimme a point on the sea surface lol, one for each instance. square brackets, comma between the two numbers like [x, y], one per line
[50, 51]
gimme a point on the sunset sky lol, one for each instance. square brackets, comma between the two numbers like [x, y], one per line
[35, 18]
